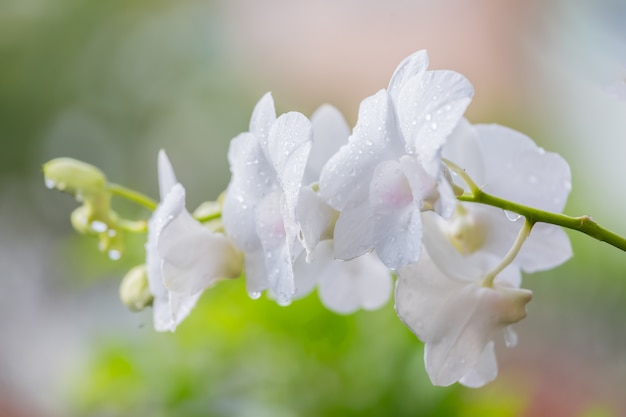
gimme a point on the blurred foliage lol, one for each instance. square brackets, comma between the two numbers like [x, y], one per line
[234, 356]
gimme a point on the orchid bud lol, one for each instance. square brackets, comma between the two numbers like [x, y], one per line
[74, 177]
[134, 289]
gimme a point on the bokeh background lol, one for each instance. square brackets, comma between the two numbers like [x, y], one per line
[112, 81]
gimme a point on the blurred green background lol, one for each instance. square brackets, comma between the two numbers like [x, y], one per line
[111, 82]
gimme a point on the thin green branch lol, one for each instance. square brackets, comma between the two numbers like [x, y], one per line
[510, 256]
[583, 224]
[132, 195]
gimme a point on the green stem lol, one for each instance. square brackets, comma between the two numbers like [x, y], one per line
[132, 195]
[583, 224]
[510, 256]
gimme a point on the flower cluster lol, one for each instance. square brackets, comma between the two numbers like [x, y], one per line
[311, 204]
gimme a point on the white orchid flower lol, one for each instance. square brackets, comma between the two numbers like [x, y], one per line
[343, 286]
[182, 257]
[390, 170]
[459, 319]
[259, 214]
[510, 165]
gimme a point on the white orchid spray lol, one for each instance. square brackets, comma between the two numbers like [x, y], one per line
[458, 211]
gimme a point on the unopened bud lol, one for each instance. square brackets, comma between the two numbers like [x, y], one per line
[73, 176]
[134, 289]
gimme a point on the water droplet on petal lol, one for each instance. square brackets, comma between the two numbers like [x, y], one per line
[433, 126]
[114, 254]
[428, 117]
[512, 216]
[448, 107]
[98, 226]
[111, 233]
[50, 183]
[567, 185]
[255, 295]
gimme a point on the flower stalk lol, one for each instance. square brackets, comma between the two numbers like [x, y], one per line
[584, 224]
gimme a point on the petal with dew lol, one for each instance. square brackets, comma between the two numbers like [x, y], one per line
[396, 224]
[430, 106]
[252, 179]
[345, 179]
[289, 145]
[271, 230]
[263, 117]
[520, 171]
[410, 66]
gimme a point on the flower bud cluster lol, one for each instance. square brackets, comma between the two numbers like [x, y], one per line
[89, 186]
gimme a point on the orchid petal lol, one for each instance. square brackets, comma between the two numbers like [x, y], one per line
[520, 171]
[397, 226]
[429, 107]
[193, 257]
[167, 178]
[462, 147]
[547, 246]
[288, 147]
[316, 218]
[330, 132]
[364, 282]
[485, 370]
[263, 117]
[251, 181]
[344, 181]
[353, 233]
[410, 66]
[180, 306]
[270, 227]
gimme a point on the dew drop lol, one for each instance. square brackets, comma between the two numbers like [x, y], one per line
[255, 295]
[435, 98]
[428, 117]
[50, 183]
[568, 185]
[114, 254]
[111, 233]
[513, 217]
[98, 226]
[448, 107]
[283, 300]
[433, 126]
